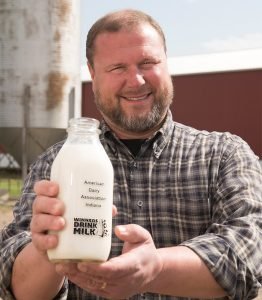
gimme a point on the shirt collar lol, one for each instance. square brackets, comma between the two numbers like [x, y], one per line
[163, 135]
[159, 139]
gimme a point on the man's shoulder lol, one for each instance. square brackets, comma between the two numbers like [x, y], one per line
[203, 140]
[50, 153]
[186, 131]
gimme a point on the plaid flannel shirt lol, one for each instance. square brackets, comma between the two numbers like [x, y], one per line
[186, 187]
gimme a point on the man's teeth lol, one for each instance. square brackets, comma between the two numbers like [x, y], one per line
[137, 98]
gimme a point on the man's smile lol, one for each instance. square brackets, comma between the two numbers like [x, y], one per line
[137, 98]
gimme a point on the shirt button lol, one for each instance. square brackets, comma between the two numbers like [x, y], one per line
[140, 203]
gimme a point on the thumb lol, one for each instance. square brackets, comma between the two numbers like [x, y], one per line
[132, 233]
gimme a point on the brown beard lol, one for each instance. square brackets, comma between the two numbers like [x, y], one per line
[138, 123]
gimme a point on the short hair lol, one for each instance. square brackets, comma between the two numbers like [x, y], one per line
[115, 22]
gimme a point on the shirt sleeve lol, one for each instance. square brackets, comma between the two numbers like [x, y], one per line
[232, 245]
[15, 236]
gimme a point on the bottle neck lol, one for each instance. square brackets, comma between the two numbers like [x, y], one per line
[83, 130]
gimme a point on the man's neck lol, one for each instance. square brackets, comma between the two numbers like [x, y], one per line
[129, 135]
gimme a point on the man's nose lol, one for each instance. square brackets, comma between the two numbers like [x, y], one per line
[135, 78]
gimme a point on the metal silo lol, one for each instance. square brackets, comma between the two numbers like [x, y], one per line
[39, 73]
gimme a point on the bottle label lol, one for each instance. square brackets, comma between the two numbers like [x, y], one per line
[94, 193]
[91, 227]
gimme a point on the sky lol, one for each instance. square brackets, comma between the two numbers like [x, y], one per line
[191, 26]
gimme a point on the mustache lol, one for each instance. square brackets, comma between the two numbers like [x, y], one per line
[137, 91]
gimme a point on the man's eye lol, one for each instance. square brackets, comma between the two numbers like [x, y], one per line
[148, 64]
[117, 69]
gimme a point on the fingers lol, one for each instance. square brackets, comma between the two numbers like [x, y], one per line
[43, 242]
[134, 237]
[114, 211]
[46, 199]
[47, 188]
[124, 275]
[41, 223]
[47, 215]
[132, 233]
[47, 205]
[87, 281]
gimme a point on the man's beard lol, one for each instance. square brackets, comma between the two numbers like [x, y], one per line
[137, 123]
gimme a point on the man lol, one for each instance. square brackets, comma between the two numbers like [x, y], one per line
[189, 202]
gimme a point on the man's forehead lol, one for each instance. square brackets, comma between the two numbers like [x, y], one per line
[138, 33]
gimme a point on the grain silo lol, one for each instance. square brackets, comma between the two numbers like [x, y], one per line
[39, 74]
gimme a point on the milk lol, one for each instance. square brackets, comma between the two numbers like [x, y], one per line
[85, 177]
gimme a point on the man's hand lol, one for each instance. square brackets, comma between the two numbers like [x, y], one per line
[122, 276]
[118, 278]
[47, 216]
[34, 276]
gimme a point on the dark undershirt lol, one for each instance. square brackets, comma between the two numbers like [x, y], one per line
[133, 145]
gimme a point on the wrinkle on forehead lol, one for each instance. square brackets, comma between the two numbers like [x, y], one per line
[143, 35]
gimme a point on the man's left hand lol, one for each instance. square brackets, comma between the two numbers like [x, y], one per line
[123, 276]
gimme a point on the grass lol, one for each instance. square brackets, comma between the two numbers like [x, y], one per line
[12, 185]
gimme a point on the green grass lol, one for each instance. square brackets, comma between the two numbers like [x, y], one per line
[13, 186]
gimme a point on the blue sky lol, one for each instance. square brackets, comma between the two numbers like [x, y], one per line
[191, 26]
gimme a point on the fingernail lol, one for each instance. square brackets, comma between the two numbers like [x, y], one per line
[121, 229]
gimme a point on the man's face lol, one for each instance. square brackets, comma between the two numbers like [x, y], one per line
[132, 87]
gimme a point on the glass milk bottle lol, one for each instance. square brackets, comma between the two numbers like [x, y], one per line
[85, 177]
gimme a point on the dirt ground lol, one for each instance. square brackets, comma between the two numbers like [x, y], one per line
[6, 216]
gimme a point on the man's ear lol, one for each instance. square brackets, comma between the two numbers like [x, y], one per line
[91, 71]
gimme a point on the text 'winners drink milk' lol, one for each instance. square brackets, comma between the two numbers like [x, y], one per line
[85, 177]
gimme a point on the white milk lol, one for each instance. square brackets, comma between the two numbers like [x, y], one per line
[85, 177]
